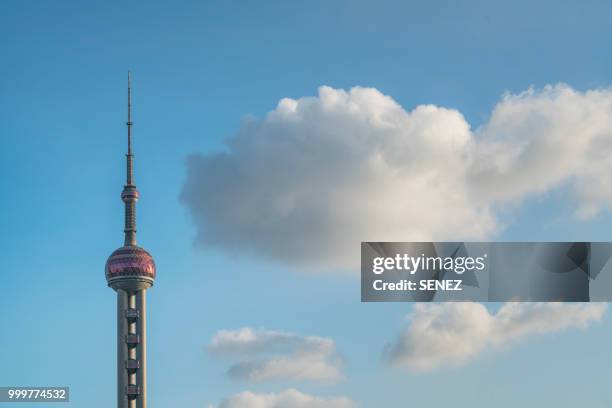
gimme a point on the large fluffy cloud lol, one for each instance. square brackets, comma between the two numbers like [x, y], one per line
[287, 399]
[271, 355]
[320, 174]
[450, 334]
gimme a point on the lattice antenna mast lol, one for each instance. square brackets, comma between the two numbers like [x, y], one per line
[130, 195]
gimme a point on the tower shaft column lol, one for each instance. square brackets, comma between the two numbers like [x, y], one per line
[132, 330]
[141, 350]
[131, 349]
[122, 350]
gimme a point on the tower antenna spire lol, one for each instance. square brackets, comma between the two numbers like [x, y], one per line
[130, 193]
[130, 165]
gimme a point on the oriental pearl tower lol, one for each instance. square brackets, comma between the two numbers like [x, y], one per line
[130, 271]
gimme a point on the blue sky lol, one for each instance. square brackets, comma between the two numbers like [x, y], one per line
[199, 69]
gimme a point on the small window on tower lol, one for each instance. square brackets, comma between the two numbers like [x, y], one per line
[132, 339]
[132, 313]
[132, 364]
[132, 390]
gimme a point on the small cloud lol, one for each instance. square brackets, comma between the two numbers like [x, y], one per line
[267, 355]
[286, 399]
[444, 335]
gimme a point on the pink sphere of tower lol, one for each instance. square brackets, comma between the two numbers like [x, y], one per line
[130, 262]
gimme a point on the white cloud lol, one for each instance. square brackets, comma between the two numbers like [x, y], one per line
[287, 399]
[450, 334]
[536, 141]
[318, 175]
[248, 340]
[272, 355]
